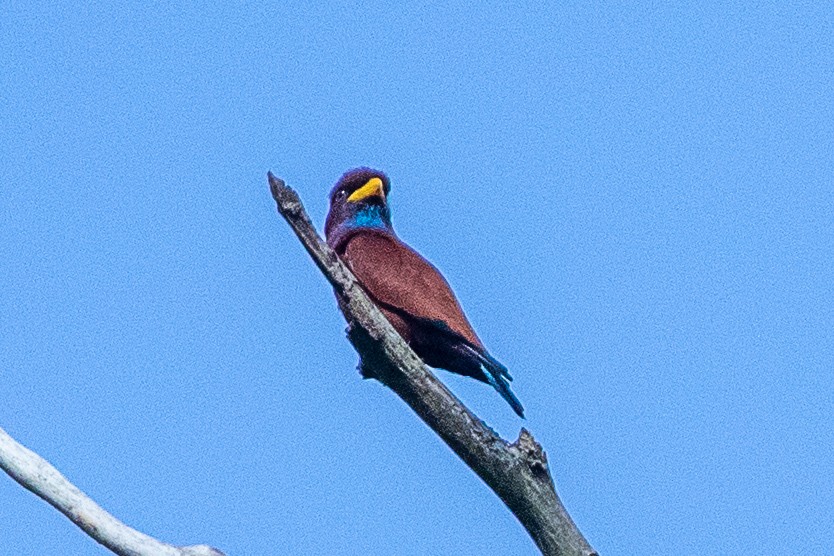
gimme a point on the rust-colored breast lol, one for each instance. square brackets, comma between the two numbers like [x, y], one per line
[396, 275]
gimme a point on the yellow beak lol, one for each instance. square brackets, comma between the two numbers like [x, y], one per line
[374, 187]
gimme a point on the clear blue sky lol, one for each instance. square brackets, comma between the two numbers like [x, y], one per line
[634, 204]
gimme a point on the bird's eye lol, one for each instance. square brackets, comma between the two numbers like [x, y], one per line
[341, 194]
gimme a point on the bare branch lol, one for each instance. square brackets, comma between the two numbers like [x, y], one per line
[36, 474]
[517, 472]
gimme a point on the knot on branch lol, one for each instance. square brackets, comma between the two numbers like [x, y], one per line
[532, 454]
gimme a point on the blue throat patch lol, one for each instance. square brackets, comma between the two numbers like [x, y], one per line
[371, 216]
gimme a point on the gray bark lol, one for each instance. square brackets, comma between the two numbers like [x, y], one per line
[517, 472]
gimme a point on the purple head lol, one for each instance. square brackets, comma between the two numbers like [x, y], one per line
[358, 201]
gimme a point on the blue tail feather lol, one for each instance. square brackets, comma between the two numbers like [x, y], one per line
[495, 373]
[499, 378]
[501, 384]
[495, 364]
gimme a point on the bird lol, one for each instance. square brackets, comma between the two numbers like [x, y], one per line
[409, 290]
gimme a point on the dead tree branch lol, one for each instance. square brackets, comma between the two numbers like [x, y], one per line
[36, 474]
[517, 472]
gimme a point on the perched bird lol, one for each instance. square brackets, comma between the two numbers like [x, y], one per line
[408, 289]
